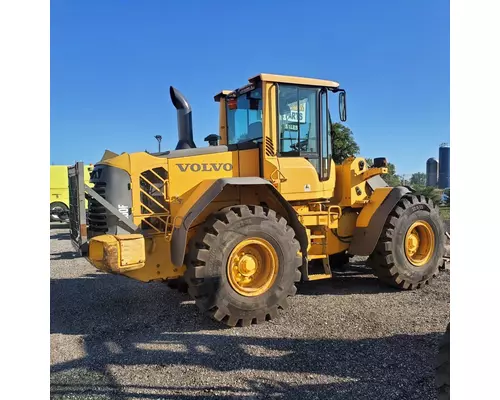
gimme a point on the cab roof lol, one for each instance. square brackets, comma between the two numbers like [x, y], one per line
[293, 79]
[283, 79]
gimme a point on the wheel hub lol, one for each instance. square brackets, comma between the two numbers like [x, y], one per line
[252, 267]
[247, 265]
[419, 243]
[413, 243]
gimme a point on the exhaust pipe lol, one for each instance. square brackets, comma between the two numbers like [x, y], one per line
[184, 120]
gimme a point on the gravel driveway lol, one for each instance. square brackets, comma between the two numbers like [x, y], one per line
[348, 338]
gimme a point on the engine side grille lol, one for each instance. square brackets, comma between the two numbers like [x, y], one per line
[154, 206]
[96, 212]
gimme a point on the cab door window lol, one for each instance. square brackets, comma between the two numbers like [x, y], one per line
[303, 128]
[326, 142]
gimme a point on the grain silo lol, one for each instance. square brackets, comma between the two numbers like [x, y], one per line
[444, 166]
[432, 172]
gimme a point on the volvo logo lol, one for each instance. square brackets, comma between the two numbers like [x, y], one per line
[205, 167]
[123, 210]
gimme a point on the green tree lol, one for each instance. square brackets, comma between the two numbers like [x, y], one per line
[391, 178]
[344, 145]
[418, 178]
[429, 192]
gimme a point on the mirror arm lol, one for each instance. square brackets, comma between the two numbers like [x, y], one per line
[335, 90]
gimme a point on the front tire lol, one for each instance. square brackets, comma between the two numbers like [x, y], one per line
[411, 247]
[242, 265]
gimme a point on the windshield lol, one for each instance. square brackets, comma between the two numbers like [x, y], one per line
[244, 117]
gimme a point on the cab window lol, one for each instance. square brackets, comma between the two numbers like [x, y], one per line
[303, 126]
[298, 121]
[244, 117]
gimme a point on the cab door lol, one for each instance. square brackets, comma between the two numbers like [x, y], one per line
[304, 153]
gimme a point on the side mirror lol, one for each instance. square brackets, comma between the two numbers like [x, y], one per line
[342, 107]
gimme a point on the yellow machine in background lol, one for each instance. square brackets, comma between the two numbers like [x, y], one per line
[59, 193]
[263, 206]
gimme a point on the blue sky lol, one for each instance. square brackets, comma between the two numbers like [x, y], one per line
[112, 63]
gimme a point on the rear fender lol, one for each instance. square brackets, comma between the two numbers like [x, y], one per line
[372, 219]
[205, 193]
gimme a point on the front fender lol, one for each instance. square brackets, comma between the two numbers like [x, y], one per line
[204, 194]
[372, 219]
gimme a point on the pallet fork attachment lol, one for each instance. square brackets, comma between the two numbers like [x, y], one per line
[77, 214]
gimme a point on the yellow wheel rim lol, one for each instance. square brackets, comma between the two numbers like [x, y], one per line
[419, 243]
[252, 267]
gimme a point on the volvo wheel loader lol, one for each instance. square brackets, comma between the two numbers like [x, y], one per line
[244, 219]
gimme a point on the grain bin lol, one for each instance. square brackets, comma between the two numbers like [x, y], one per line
[444, 166]
[432, 172]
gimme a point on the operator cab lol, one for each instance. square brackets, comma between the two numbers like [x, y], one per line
[291, 113]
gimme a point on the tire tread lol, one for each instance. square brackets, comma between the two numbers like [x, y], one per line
[197, 257]
[382, 259]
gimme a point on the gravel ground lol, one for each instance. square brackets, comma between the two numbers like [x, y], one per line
[348, 338]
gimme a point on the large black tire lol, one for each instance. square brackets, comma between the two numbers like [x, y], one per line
[443, 367]
[389, 260]
[59, 208]
[208, 255]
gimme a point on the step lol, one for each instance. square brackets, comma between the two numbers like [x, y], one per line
[317, 236]
[316, 256]
[317, 277]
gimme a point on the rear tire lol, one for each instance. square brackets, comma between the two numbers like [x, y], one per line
[443, 367]
[411, 246]
[210, 265]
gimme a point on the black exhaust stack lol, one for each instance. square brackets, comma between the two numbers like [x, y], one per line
[184, 120]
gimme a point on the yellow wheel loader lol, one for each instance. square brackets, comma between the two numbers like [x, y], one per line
[240, 221]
